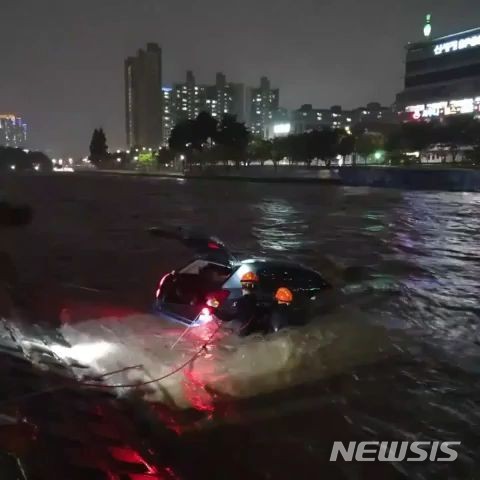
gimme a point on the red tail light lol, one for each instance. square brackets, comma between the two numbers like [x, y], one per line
[215, 299]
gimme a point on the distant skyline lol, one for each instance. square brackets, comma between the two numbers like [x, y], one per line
[63, 61]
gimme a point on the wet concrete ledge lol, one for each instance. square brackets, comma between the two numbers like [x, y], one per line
[414, 178]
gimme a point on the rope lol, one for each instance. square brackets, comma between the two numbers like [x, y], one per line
[135, 385]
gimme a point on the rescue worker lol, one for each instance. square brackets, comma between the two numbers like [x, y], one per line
[248, 313]
[280, 315]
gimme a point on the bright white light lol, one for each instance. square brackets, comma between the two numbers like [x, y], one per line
[149, 149]
[84, 353]
[454, 45]
[12, 167]
[26, 150]
[427, 30]
[135, 158]
[70, 161]
[118, 151]
[119, 159]
[37, 167]
[282, 128]
[128, 152]
[452, 107]
[182, 157]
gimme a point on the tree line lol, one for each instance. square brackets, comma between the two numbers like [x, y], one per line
[19, 160]
[205, 140]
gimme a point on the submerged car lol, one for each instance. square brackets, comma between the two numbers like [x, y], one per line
[212, 285]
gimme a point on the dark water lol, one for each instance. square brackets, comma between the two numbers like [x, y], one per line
[405, 262]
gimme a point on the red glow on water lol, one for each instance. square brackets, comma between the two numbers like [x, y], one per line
[195, 392]
[213, 246]
[77, 311]
[128, 455]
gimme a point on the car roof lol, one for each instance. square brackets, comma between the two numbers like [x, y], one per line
[257, 262]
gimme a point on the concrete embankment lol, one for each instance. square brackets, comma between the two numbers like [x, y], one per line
[414, 178]
[426, 178]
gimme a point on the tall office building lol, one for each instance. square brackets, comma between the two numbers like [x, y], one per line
[143, 97]
[262, 103]
[442, 77]
[13, 132]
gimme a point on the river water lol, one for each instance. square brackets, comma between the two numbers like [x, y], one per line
[396, 357]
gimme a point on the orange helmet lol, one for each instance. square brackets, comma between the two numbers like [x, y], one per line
[284, 295]
[250, 278]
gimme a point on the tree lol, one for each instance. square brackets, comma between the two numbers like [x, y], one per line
[40, 160]
[369, 143]
[98, 147]
[206, 128]
[260, 149]
[323, 144]
[233, 136]
[346, 145]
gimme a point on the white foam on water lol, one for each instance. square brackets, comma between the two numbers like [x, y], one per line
[231, 366]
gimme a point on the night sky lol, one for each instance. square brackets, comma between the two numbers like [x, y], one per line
[62, 60]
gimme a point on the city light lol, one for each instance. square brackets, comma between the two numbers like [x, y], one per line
[427, 29]
[438, 109]
[454, 45]
[119, 159]
[282, 128]
[12, 167]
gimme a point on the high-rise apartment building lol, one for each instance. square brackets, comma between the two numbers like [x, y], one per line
[186, 100]
[144, 97]
[226, 98]
[262, 103]
[13, 132]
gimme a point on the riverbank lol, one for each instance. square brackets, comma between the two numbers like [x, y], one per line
[438, 178]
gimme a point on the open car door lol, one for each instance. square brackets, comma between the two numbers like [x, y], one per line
[202, 245]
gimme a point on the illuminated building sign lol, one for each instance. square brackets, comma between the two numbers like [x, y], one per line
[282, 128]
[454, 45]
[439, 109]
